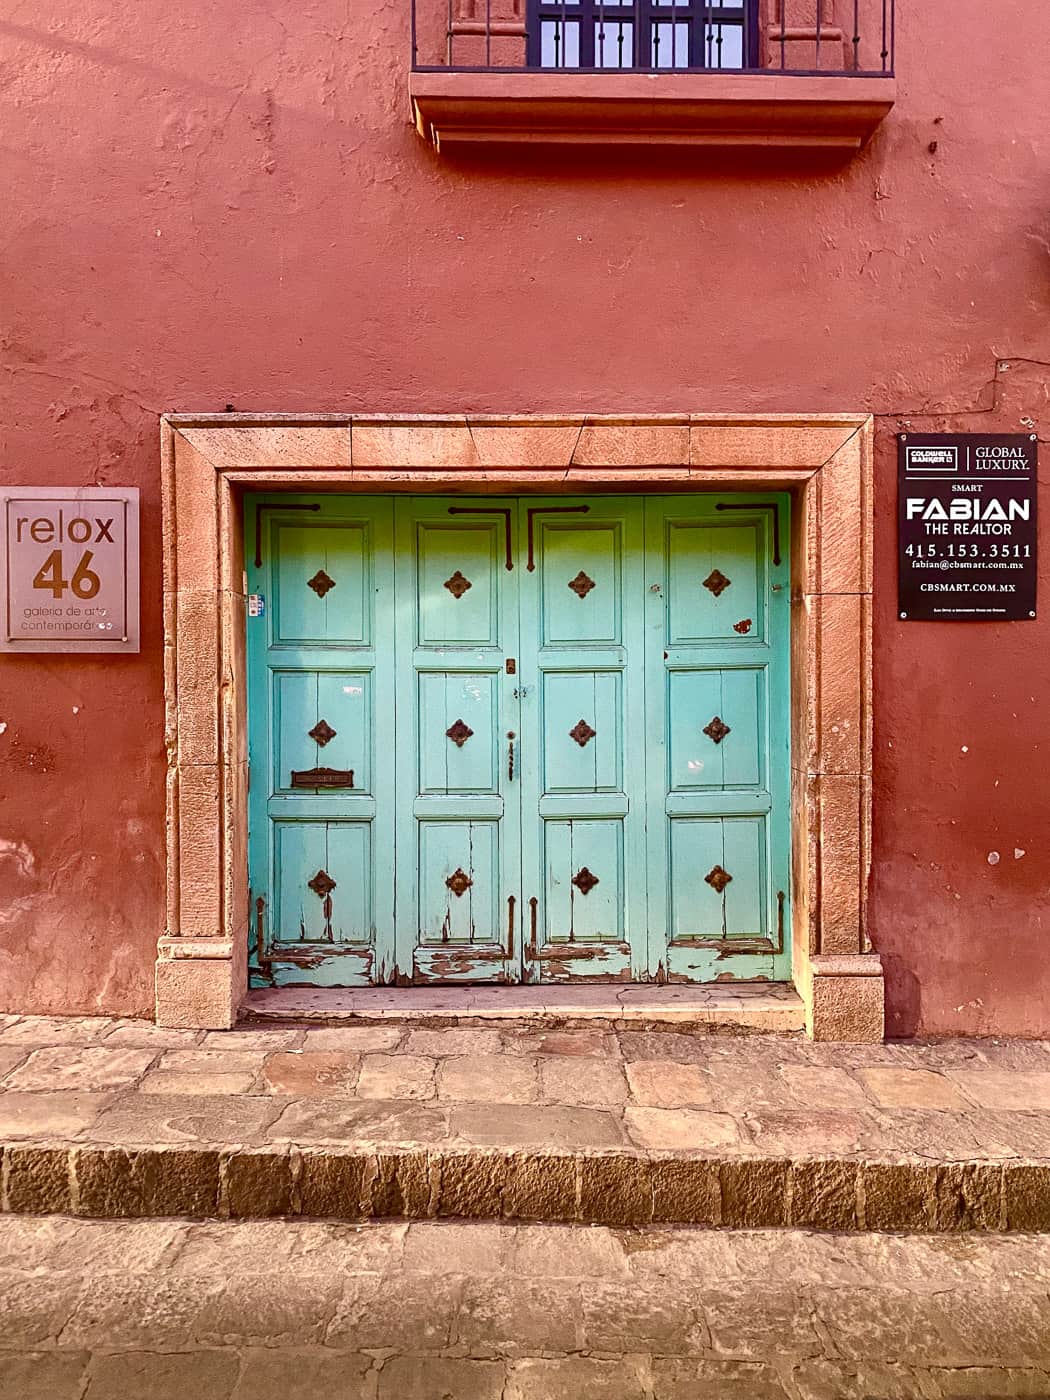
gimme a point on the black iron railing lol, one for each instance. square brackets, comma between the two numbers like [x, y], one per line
[803, 37]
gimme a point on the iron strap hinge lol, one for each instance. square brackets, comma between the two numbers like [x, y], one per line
[271, 505]
[491, 510]
[761, 505]
[531, 515]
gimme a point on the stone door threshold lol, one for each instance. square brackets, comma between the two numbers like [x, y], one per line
[760, 1006]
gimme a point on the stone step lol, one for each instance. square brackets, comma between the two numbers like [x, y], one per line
[612, 1188]
[620, 1125]
[761, 1007]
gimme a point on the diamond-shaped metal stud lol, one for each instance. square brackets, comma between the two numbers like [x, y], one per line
[459, 882]
[322, 732]
[320, 583]
[322, 884]
[717, 729]
[743, 626]
[582, 733]
[459, 733]
[585, 880]
[717, 582]
[458, 584]
[581, 585]
[718, 878]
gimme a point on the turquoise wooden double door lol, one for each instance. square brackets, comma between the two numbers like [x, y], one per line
[527, 739]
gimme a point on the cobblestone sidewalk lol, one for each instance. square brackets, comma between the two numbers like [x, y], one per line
[604, 1123]
[276, 1310]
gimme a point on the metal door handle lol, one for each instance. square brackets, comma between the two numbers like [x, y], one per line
[532, 926]
[511, 901]
[510, 755]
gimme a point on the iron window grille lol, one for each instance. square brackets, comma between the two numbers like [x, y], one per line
[811, 38]
[647, 35]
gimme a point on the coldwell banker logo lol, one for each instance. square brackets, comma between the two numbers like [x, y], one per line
[926, 461]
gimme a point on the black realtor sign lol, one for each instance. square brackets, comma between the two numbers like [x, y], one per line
[966, 526]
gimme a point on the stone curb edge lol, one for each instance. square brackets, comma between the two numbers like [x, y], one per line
[608, 1189]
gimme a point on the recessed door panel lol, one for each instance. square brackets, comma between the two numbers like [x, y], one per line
[324, 882]
[582, 732]
[584, 881]
[718, 878]
[458, 745]
[458, 583]
[716, 721]
[321, 583]
[459, 881]
[714, 577]
[322, 719]
[581, 568]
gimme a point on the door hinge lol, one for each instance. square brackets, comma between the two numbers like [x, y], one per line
[492, 510]
[260, 932]
[271, 505]
[546, 510]
[530, 951]
[760, 505]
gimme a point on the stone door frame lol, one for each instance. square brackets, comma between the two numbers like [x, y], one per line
[209, 460]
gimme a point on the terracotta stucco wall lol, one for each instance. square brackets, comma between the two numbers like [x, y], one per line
[214, 204]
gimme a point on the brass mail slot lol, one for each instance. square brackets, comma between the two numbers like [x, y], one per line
[323, 778]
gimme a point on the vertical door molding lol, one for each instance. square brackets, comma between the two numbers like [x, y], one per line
[824, 460]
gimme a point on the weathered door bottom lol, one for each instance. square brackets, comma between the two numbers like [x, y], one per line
[760, 1006]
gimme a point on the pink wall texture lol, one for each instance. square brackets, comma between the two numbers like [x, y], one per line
[226, 203]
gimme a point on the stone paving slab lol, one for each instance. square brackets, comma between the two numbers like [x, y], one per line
[279, 1310]
[595, 1121]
